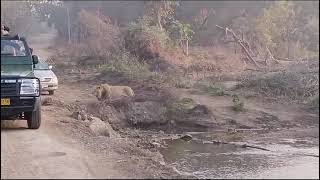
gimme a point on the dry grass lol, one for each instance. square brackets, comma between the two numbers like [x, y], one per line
[294, 84]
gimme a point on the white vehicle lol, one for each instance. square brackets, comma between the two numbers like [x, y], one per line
[48, 80]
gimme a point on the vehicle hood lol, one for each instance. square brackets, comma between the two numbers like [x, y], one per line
[41, 74]
[16, 70]
[16, 66]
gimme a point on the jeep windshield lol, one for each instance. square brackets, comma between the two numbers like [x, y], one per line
[13, 48]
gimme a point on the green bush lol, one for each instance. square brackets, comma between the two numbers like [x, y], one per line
[212, 89]
[124, 64]
[180, 106]
[297, 86]
[145, 40]
[238, 104]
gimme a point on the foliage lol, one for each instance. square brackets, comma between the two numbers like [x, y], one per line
[295, 86]
[180, 82]
[98, 34]
[213, 89]
[122, 63]
[282, 28]
[182, 105]
[161, 12]
[238, 104]
[182, 33]
[183, 30]
[276, 22]
[145, 40]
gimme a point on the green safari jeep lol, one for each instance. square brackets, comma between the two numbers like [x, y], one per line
[20, 89]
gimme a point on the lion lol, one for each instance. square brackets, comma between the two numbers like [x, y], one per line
[107, 92]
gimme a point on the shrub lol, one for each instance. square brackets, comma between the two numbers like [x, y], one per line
[212, 89]
[238, 104]
[98, 36]
[181, 106]
[296, 86]
[145, 40]
[124, 64]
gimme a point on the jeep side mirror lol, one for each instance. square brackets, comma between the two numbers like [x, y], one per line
[31, 50]
[35, 59]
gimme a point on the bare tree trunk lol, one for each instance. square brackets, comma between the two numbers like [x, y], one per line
[69, 31]
[159, 21]
[187, 47]
[288, 50]
[238, 40]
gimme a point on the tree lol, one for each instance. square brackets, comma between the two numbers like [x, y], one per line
[289, 30]
[276, 27]
[185, 34]
[161, 11]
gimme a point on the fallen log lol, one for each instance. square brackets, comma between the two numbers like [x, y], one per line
[189, 138]
[271, 56]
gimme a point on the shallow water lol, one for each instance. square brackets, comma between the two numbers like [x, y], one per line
[228, 161]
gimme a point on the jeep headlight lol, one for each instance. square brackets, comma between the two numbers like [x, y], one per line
[30, 87]
[54, 80]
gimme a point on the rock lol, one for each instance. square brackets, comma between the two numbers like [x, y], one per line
[186, 107]
[186, 113]
[111, 115]
[146, 113]
[100, 128]
[186, 137]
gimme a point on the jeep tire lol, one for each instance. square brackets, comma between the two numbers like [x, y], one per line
[34, 118]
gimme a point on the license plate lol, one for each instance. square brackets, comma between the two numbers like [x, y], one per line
[5, 102]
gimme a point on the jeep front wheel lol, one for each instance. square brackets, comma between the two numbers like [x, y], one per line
[33, 118]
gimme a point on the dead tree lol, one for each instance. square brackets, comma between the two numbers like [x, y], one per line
[241, 43]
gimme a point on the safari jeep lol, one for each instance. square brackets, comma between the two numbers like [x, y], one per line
[20, 89]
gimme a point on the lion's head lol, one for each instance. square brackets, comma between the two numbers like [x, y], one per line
[98, 92]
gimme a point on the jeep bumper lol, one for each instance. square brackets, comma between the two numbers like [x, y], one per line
[19, 105]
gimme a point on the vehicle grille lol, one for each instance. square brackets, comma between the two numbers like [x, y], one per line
[10, 89]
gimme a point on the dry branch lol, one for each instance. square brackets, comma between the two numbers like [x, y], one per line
[240, 42]
[271, 56]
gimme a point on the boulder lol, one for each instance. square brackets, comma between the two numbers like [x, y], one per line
[111, 115]
[146, 113]
[189, 115]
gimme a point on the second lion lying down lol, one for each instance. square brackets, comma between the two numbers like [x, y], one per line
[108, 92]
